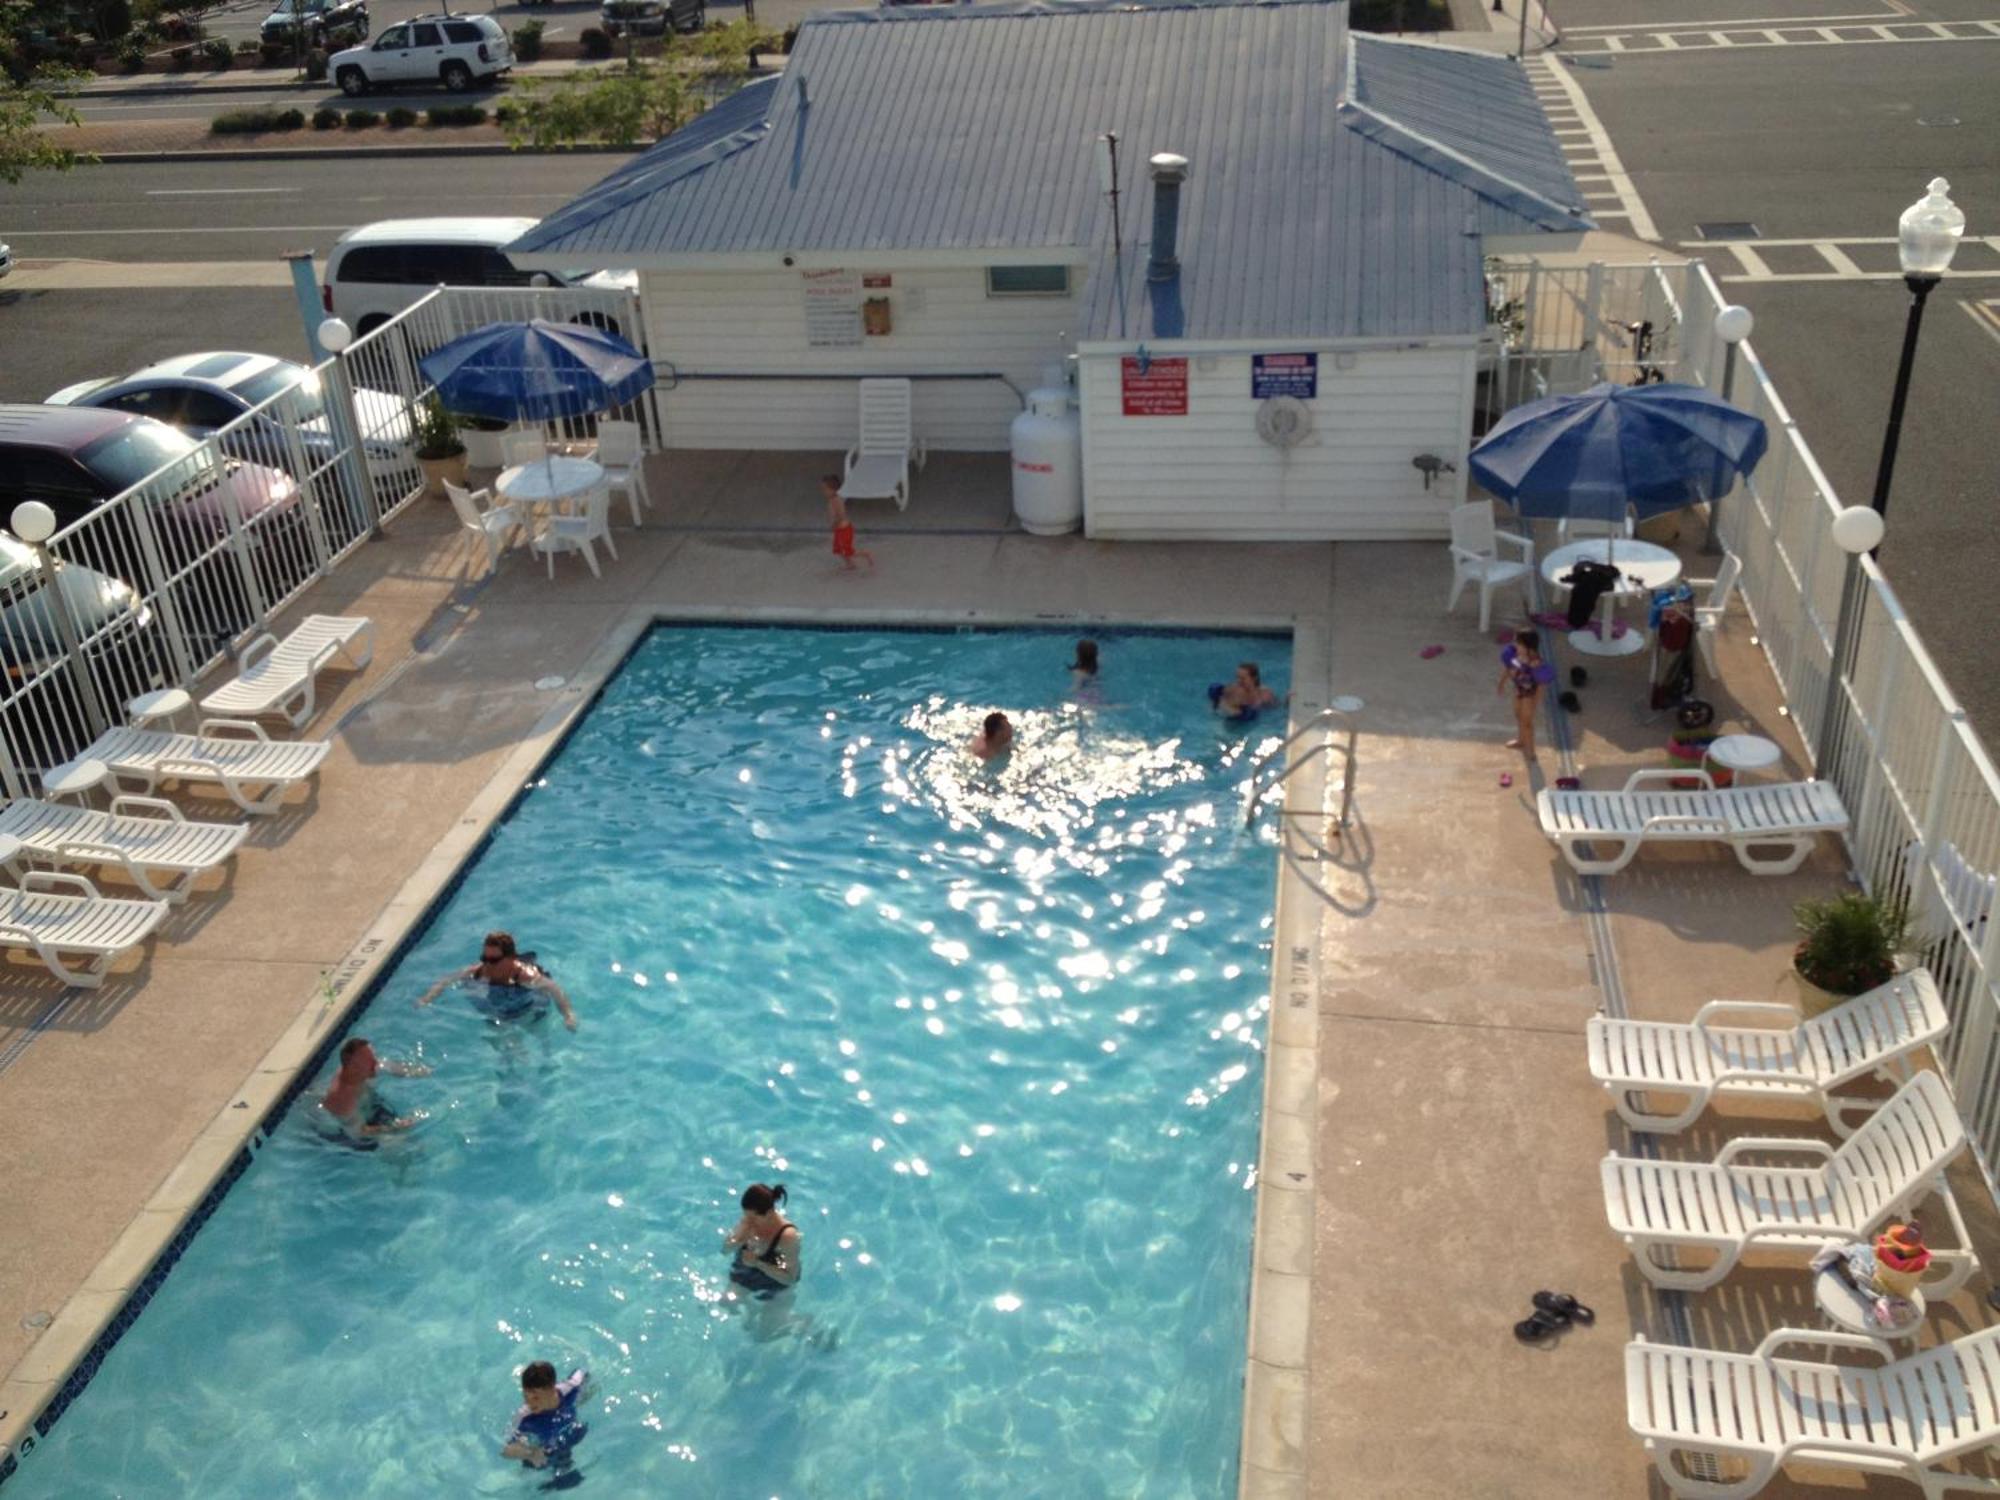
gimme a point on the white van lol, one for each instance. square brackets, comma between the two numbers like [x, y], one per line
[377, 270]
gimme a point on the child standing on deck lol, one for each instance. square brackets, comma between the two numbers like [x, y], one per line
[843, 528]
[1522, 667]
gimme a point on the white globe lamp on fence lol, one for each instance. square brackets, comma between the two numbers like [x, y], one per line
[1856, 530]
[33, 522]
[334, 336]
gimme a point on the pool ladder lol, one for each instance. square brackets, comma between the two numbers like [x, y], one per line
[1301, 846]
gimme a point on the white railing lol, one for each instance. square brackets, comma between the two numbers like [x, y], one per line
[1557, 329]
[1921, 788]
[162, 582]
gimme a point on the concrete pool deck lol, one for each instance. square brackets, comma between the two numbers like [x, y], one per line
[1450, 1134]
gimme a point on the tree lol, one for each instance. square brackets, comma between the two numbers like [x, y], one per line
[640, 104]
[28, 101]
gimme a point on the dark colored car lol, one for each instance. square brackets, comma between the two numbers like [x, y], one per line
[652, 17]
[318, 17]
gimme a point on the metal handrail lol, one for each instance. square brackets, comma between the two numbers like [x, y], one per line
[1341, 711]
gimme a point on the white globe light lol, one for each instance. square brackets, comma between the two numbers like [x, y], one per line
[1927, 235]
[1733, 324]
[335, 335]
[33, 521]
[1858, 529]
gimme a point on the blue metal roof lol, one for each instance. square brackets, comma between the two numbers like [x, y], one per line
[1336, 190]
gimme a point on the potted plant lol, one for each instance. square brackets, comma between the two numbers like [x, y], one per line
[1849, 945]
[482, 440]
[439, 450]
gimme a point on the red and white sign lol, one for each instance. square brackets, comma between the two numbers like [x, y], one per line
[1160, 390]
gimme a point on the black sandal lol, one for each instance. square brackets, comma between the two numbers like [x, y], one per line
[1563, 1306]
[1538, 1326]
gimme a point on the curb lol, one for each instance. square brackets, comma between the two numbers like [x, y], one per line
[345, 153]
[196, 90]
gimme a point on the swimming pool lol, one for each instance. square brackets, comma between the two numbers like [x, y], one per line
[999, 1033]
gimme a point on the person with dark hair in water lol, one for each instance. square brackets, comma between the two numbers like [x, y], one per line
[351, 1101]
[547, 1429]
[503, 968]
[1245, 697]
[765, 1244]
[995, 737]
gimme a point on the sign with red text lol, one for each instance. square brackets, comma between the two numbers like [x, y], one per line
[1154, 387]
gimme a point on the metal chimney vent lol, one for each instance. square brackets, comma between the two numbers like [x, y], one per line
[1169, 172]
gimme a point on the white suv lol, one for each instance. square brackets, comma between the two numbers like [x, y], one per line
[379, 269]
[456, 51]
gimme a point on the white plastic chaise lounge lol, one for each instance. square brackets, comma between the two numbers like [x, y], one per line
[1871, 1035]
[276, 676]
[1788, 814]
[73, 930]
[1726, 1208]
[254, 770]
[1907, 1417]
[160, 849]
[878, 465]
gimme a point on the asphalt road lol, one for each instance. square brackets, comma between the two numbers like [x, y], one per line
[1830, 143]
[196, 224]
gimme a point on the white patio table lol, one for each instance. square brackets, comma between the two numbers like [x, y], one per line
[1644, 566]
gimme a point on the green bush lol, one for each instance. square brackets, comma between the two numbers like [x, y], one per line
[180, 57]
[326, 119]
[362, 119]
[343, 36]
[1850, 942]
[253, 121]
[527, 41]
[455, 114]
[315, 66]
[595, 41]
[275, 53]
[132, 56]
[401, 117]
[217, 52]
[503, 113]
[249, 46]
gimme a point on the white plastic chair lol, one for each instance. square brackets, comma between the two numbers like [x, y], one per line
[580, 531]
[494, 522]
[1475, 557]
[1709, 615]
[622, 456]
[523, 446]
[878, 465]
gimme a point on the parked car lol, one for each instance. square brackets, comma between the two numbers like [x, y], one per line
[6, 260]
[651, 17]
[30, 641]
[316, 17]
[201, 393]
[456, 51]
[377, 270]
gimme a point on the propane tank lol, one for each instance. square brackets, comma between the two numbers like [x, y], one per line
[1048, 464]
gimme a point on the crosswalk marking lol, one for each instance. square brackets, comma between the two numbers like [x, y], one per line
[1804, 34]
[1838, 258]
[1588, 150]
[1978, 259]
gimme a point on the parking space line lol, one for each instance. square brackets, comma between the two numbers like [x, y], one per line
[1985, 316]
[1752, 263]
[1838, 258]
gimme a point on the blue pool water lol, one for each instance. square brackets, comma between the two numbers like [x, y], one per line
[1000, 1033]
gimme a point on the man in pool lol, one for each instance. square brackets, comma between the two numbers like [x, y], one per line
[995, 737]
[1244, 698]
[546, 1428]
[502, 967]
[352, 1102]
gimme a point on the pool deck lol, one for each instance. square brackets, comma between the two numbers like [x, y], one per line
[1448, 1138]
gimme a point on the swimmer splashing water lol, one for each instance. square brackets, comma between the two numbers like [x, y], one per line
[502, 967]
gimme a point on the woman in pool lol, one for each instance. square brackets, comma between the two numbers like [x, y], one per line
[1243, 699]
[1083, 671]
[765, 1244]
[515, 981]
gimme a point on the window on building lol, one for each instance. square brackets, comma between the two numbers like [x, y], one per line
[1027, 281]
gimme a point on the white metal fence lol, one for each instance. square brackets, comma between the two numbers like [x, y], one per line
[213, 537]
[1562, 328]
[1922, 790]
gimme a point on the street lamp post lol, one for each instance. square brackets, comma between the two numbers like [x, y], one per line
[1927, 236]
[1733, 325]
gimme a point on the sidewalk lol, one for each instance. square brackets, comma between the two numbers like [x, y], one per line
[279, 80]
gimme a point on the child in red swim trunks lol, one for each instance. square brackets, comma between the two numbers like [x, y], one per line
[843, 529]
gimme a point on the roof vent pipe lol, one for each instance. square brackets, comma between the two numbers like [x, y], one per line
[800, 82]
[1169, 172]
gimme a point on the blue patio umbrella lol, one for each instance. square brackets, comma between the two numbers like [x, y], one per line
[537, 371]
[1655, 448]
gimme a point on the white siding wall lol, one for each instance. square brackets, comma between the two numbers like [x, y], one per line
[1208, 474]
[754, 321]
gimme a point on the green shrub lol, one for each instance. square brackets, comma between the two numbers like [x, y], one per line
[217, 52]
[275, 53]
[455, 114]
[248, 47]
[527, 40]
[362, 119]
[401, 117]
[326, 119]
[290, 119]
[1850, 942]
[180, 57]
[132, 55]
[503, 113]
[252, 121]
[595, 41]
[343, 36]
[315, 66]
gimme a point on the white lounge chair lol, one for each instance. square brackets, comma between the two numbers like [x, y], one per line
[1787, 814]
[1475, 558]
[493, 522]
[143, 836]
[1907, 1417]
[71, 928]
[1724, 1209]
[878, 466]
[1870, 1035]
[1712, 611]
[274, 676]
[235, 754]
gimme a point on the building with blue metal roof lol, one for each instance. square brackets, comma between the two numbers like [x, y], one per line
[927, 192]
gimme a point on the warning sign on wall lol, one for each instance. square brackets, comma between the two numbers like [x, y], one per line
[833, 309]
[1159, 390]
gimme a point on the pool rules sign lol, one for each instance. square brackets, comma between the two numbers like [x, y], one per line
[1154, 387]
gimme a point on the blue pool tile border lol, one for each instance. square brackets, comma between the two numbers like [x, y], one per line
[128, 1314]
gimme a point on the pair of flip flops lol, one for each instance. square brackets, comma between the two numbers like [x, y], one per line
[1554, 1311]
